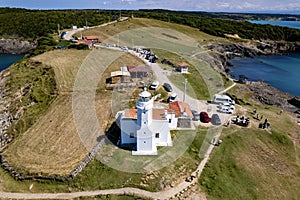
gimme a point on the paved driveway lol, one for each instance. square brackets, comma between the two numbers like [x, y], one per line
[195, 104]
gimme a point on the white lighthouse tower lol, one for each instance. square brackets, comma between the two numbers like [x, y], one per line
[144, 137]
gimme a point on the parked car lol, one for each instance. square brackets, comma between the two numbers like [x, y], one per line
[225, 109]
[215, 119]
[226, 105]
[172, 97]
[154, 85]
[204, 117]
[168, 87]
[124, 48]
[196, 115]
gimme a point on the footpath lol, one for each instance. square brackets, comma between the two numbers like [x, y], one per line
[165, 194]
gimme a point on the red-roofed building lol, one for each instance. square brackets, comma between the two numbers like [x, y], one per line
[85, 42]
[92, 38]
[183, 67]
[139, 71]
[183, 114]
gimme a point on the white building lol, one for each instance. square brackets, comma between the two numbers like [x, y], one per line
[148, 127]
[183, 67]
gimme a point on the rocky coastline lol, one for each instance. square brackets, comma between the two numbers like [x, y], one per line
[16, 46]
[262, 92]
[226, 51]
[6, 117]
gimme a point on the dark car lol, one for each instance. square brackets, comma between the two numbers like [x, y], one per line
[215, 119]
[167, 87]
[196, 115]
[204, 117]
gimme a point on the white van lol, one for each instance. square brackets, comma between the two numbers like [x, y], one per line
[221, 98]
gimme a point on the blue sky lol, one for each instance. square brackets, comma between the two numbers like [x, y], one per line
[280, 6]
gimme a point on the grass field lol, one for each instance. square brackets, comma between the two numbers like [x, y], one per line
[100, 176]
[253, 163]
[53, 141]
[250, 164]
[66, 64]
[196, 86]
[50, 146]
[105, 32]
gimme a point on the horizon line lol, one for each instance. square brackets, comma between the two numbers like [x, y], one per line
[283, 12]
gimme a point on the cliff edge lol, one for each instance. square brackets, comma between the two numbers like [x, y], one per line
[16, 46]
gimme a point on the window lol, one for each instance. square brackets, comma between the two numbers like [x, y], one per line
[131, 135]
[156, 135]
[170, 120]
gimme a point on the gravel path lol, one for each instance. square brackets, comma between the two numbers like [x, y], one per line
[69, 34]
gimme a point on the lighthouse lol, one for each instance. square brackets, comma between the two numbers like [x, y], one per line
[144, 135]
[146, 126]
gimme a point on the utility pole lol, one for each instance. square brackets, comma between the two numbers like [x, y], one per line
[58, 29]
[184, 93]
[118, 40]
[132, 41]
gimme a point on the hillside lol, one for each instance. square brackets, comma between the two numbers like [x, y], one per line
[251, 163]
[255, 163]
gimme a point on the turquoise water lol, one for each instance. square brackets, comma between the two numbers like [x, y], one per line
[280, 71]
[290, 24]
[7, 59]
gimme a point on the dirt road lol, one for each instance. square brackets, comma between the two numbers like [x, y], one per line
[69, 34]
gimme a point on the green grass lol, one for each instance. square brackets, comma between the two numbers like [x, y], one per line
[196, 86]
[8, 183]
[254, 163]
[250, 163]
[99, 176]
[223, 178]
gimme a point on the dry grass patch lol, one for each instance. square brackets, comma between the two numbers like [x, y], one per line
[65, 63]
[51, 146]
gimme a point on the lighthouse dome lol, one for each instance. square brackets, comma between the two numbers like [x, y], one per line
[145, 94]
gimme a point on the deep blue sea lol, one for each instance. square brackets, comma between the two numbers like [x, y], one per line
[7, 59]
[280, 71]
[290, 24]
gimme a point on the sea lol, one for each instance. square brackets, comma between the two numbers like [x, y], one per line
[280, 71]
[8, 59]
[290, 24]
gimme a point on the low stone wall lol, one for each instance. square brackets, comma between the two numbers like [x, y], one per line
[19, 176]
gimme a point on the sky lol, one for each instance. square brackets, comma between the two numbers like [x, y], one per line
[279, 6]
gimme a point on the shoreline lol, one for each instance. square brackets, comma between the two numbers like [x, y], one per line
[263, 92]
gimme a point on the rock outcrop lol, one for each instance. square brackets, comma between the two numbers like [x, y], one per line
[268, 95]
[251, 49]
[16, 46]
[295, 101]
[6, 118]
